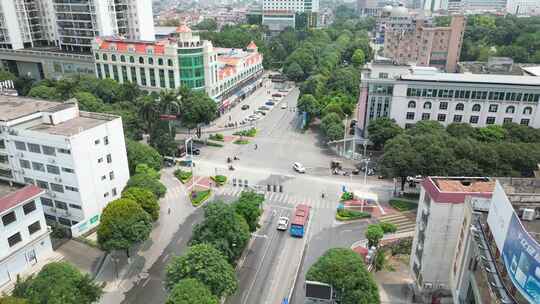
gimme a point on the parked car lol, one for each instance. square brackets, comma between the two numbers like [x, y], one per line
[245, 107]
[298, 167]
[283, 223]
[264, 108]
[269, 103]
[284, 105]
[259, 112]
[195, 151]
[415, 179]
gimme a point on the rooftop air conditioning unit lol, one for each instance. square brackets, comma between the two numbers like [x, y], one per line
[528, 214]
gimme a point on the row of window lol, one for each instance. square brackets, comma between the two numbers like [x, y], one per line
[50, 186]
[132, 77]
[141, 60]
[61, 220]
[443, 105]
[16, 238]
[11, 217]
[35, 148]
[37, 166]
[58, 204]
[469, 94]
[473, 119]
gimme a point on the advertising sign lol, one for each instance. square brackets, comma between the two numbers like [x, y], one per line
[318, 291]
[521, 255]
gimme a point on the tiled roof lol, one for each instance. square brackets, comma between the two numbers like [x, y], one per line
[123, 46]
[19, 196]
[446, 190]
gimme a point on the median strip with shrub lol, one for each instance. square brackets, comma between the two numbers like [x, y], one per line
[349, 215]
[199, 197]
[249, 133]
[220, 180]
[183, 176]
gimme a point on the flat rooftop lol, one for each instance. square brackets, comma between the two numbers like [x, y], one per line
[85, 121]
[464, 185]
[12, 107]
[13, 194]
[474, 78]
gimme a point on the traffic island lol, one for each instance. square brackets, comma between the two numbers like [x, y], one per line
[220, 180]
[252, 132]
[241, 142]
[183, 176]
[344, 215]
[199, 197]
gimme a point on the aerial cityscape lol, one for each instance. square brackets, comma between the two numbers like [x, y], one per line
[269, 151]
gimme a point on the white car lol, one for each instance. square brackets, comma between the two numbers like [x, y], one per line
[283, 223]
[298, 168]
[283, 105]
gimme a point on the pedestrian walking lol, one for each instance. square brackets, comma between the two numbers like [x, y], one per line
[169, 211]
[256, 146]
[230, 118]
[322, 195]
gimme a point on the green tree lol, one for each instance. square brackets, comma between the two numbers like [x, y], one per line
[249, 207]
[491, 133]
[345, 271]
[5, 75]
[145, 198]
[374, 233]
[58, 283]
[460, 130]
[294, 71]
[162, 138]
[123, 224]
[147, 182]
[89, 102]
[197, 108]
[191, 291]
[380, 260]
[145, 169]
[309, 104]
[223, 228]
[44, 92]
[208, 24]
[358, 58]
[138, 153]
[332, 126]
[23, 85]
[381, 130]
[206, 264]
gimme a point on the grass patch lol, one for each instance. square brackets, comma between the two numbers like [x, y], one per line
[346, 196]
[219, 179]
[183, 176]
[249, 133]
[388, 227]
[348, 215]
[241, 142]
[402, 205]
[216, 137]
[214, 144]
[199, 197]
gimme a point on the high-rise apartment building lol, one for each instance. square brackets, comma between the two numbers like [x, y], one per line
[278, 14]
[78, 158]
[416, 40]
[523, 7]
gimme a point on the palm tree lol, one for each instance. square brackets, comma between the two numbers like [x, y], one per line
[148, 110]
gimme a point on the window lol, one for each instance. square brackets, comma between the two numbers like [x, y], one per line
[524, 122]
[96, 142]
[38, 166]
[443, 105]
[19, 145]
[46, 202]
[67, 170]
[169, 62]
[490, 120]
[493, 108]
[441, 117]
[427, 105]
[150, 60]
[527, 111]
[160, 61]
[109, 158]
[65, 151]
[2, 144]
[34, 148]
[24, 163]
[141, 60]
[113, 57]
[412, 104]
[114, 193]
[72, 189]
[28, 181]
[104, 56]
[29, 207]
[50, 218]
[48, 150]
[100, 160]
[9, 218]
[111, 175]
[122, 58]
[75, 206]
[410, 115]
[425, 116]
[42, 184]
[476, 108]
[131, 59]
[33, 228]
[64, 221]
[14, 239]
[458, 118]
[60, 205]
[57, 188]
[510, 109]
[460, 107]
[507, 120]
[53, 169]
[106, 140]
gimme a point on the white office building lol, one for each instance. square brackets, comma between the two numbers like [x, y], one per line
[78, 158]
[408, 95]
[24, 236]
[72, 25]
[523, 7]
[278, 15]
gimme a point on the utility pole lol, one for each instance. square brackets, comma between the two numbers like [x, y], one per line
[345, 135]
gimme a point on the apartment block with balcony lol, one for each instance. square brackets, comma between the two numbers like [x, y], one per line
[439, 218]
[78, 158]
[24, 236]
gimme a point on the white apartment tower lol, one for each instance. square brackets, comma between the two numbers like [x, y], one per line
[78, 158]
[72, 24]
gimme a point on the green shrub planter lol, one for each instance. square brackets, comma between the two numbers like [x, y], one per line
[217, 137]
[402, 205]
[249, 133]
[241, 142]
[346, 196]
[349, 215]
[183, 176]
[220, 180]
[199, 197]
[388, 227]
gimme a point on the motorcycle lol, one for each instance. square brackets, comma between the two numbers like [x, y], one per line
[231, 168]
[228, 160]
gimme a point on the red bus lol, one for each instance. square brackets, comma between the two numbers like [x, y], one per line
[300, 220]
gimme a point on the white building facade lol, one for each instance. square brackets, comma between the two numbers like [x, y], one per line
[24, 236]
[278, 15]
[78, 158]
[415, 94]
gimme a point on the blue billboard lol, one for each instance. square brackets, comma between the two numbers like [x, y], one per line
[521, 255]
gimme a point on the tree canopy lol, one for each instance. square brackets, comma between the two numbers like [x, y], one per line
[138, 153]
[57, 283]
[381, 130]
[345, 271]
[249, 206]
[148, 182]
[374, 233]
[191, 291]
[206, 264]
[145, 198]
